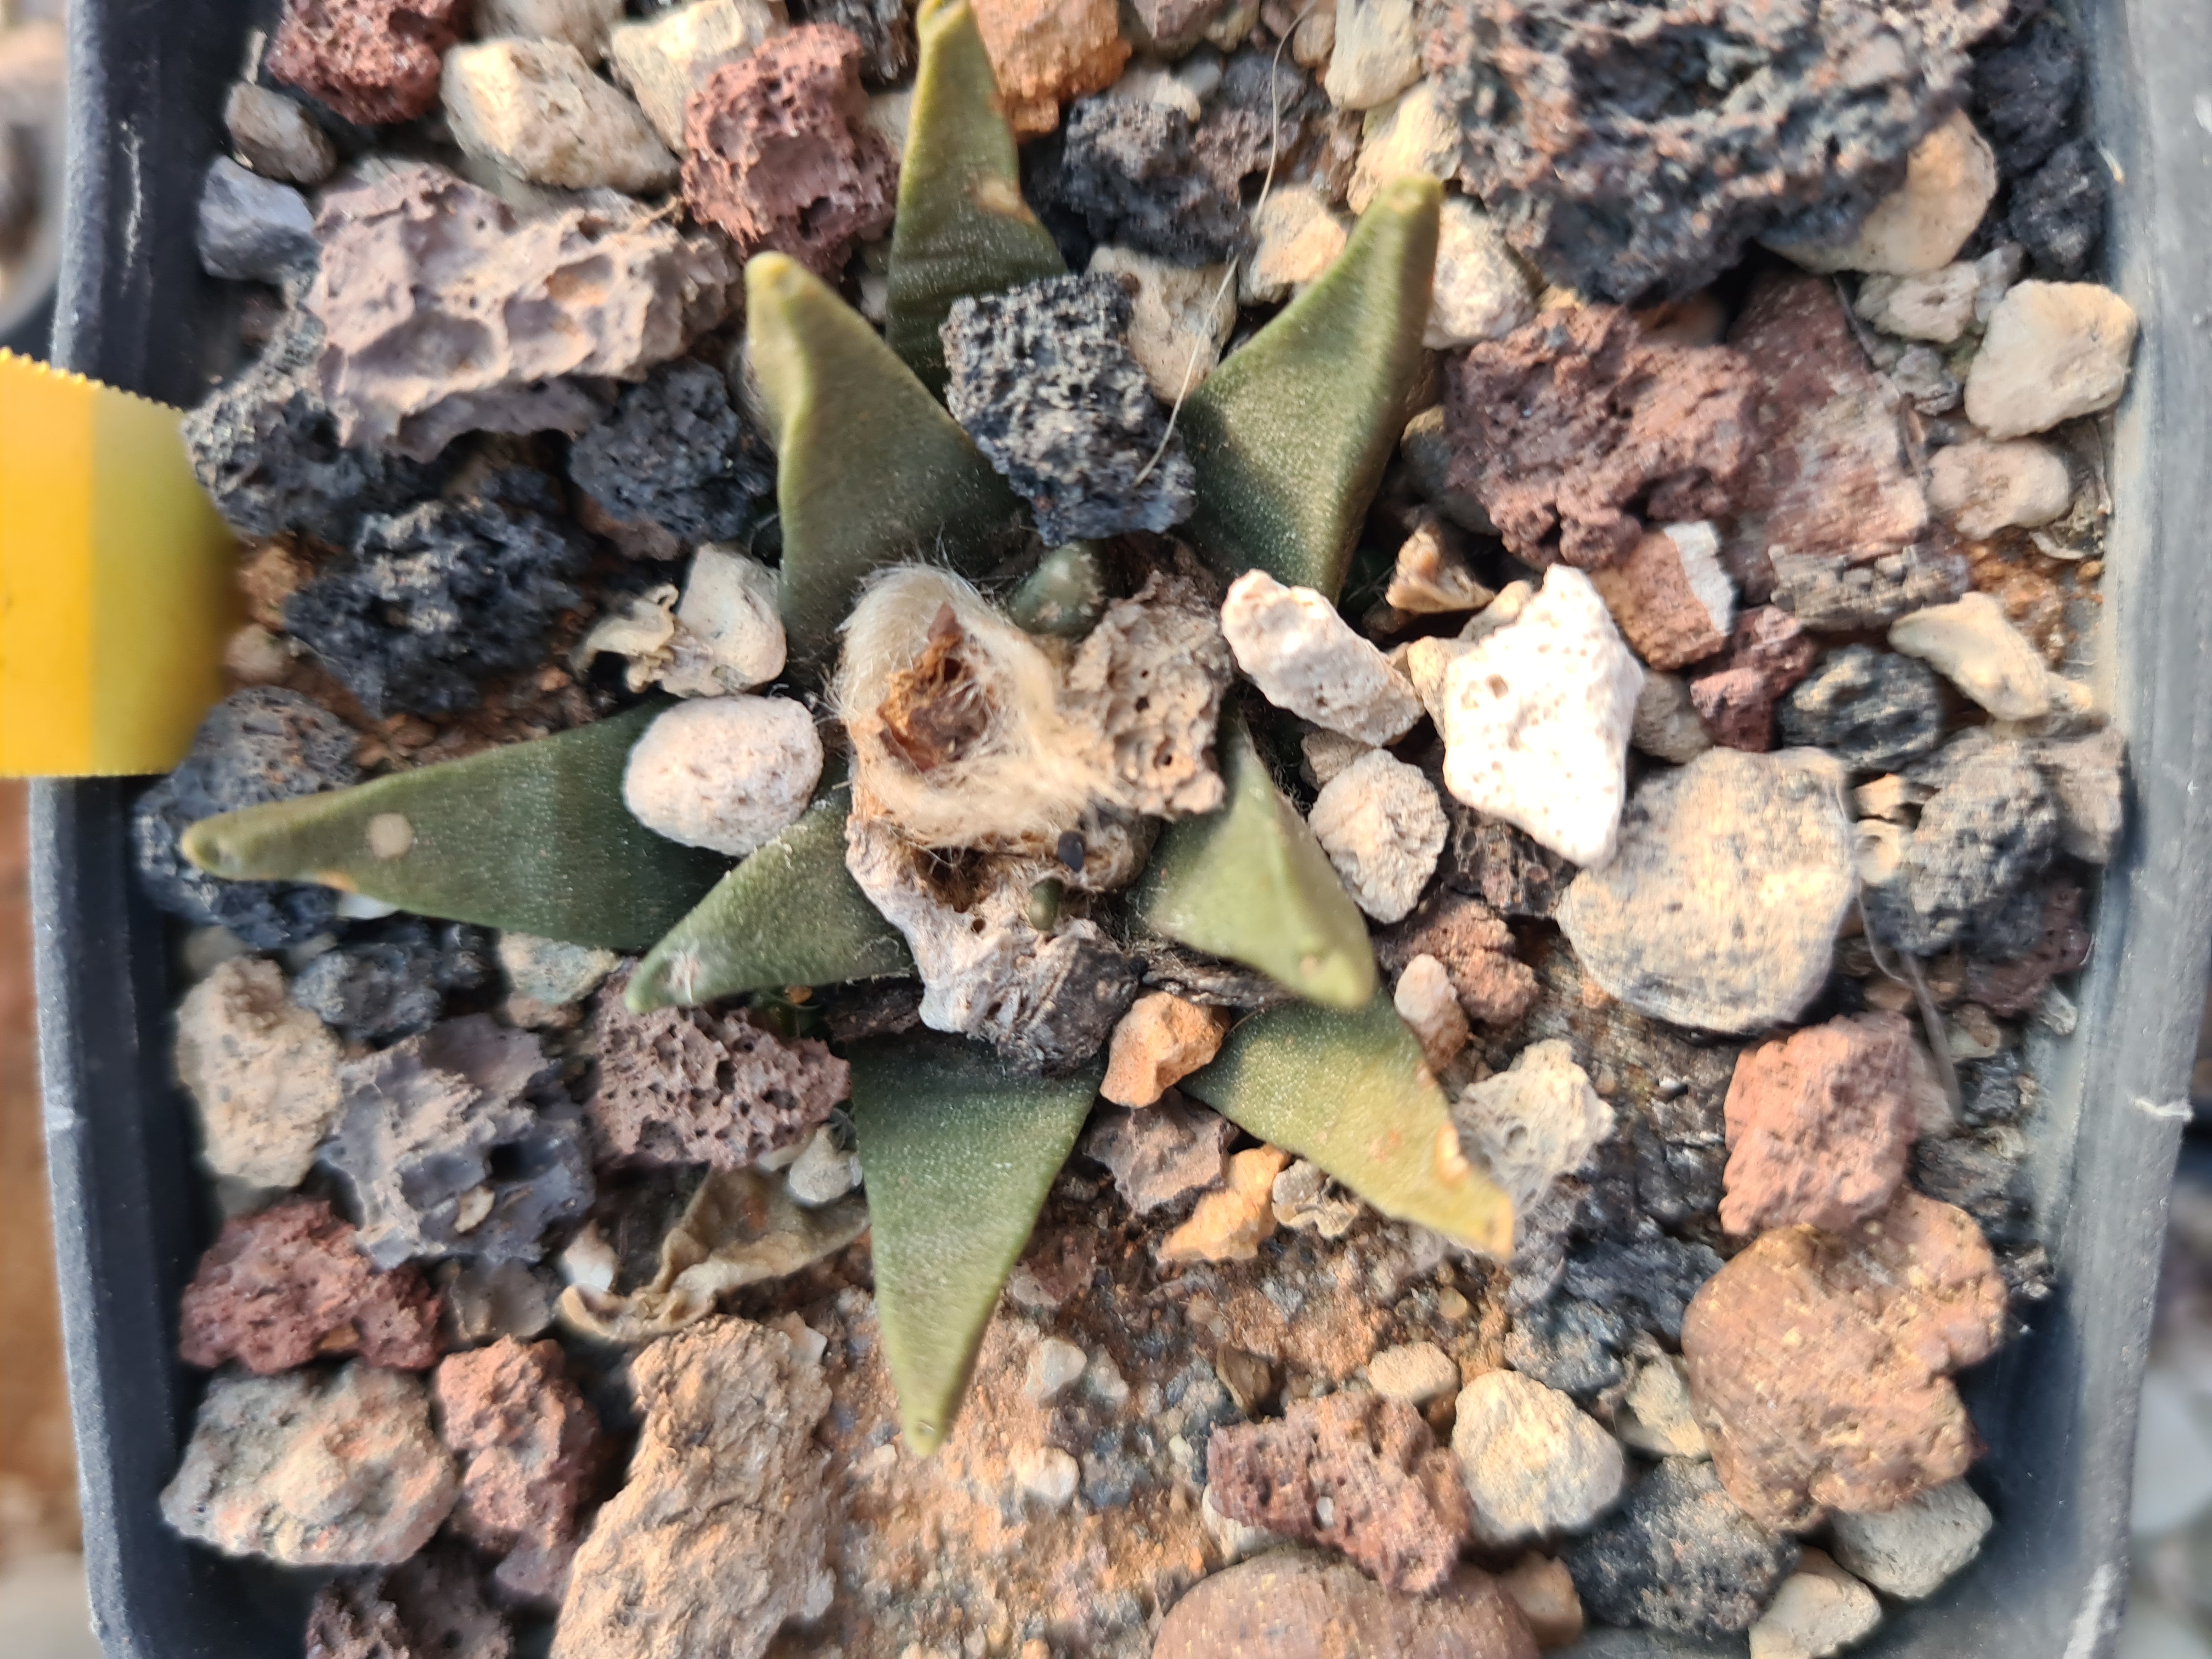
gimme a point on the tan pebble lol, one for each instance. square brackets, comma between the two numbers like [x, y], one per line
[1228, 1225]
[1161, 1040]
[1545, 1592]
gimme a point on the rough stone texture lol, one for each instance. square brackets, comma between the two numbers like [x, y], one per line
[1292, 643]
[1612, 1297]
[1573, 429]
[1535, 720]
[582, 24]
[1544, 1590]
[687, 1085]
[1829, 478]
[2012, 988]
[1230, 1225]
[884, 29]
[547, 978]
[1983, 487]
[256, 745]
[1502, 865]
[444, 313]
[1950, 179]
[1819, 1126]
[1534, 1124]
[262, 1072]
[1873, 710]
[2025, 91]
[431, 1606]
[458, 1142]
[1768, 654]
[1414, 1372]
[1351, 1471]
[1432, 574]
[1415, 132]
[1819, 1610]
[1044, 382]
[2053, 350]
[536, 110]
[1680, 1558]
[1910, 1550]
[1476, 950]
[1377, 53]
[675, 457]
[1720, 912]
[1534, 1464]
[1162, 1153]
[1859, 1413]
[1938, 306]
[275, 136]
[391, 979]
[1990, 830]
[1047, 1002]
[252, 229]
[374, 61]
[528, 1448]
[2084, 775]
[728, 773]
[432, 601]
[1975, 646]
[777, 151]
[1619, 187]
[719, 1533]
[1295, 237]
[1666, 725]
[1145, 688]
[1162, 1040]
[265, 448]
[1295, 1604]
[2058, 210]
[313, 1469]
[1833, 598]
[1043, 53]
[286, 1285]
[1426, 1000]
[1655, 1416]
[1382, 825]
[1182, 317]
[1480, 292]
[663, 58]
[1670, 596]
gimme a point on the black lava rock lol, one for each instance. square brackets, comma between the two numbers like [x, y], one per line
[1133, 171]
[2058, 211]
[434, 601]
[1044, 382]
[1501, 865]
[391, 979]
[1678, 1556]
[266, 450]
[1573, 1347]
[676, 454]
[1985, 1172]
[256, 745]
[1075, 1010]
[1874, 710]
[1986, 834]
[1649, 1282]
[2024, 94]
[885, 28]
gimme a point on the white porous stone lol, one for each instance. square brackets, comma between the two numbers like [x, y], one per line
[724, 773]
[1296, 236]
[1908, 1552]
[1938, 306]
[728, 636]
[262, 1070]
[2053, 350]
[824, 1173]
[1820, 1609]
[1382, 825]
[1234, 1539]
[1303, 657]
[1655, 1417]
[275, 136]
[1047, 1474]
[1426, 1002]
[1973, 643]
[1414, 1372]
[1502, 611]
[1535, 1463]
[2084, 775]
[1537, 720]
[1983, 487]
[1481, 291]
[1426, 662]
[536, 108]
[662, 60]
[1378, 52]
[582, 24]
[1054, 1367]
[1919, 226]
[1534, 1122]
[1328, 753]
[1414, 133]
[1179, 319]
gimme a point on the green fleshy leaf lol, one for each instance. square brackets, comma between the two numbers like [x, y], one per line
[870, 468]
[531, 836]
[790, 914]
[1250, 883]
[959, 1152]
[962, 227]
[1290, 434]
[1064, 596]
[1351, 1091]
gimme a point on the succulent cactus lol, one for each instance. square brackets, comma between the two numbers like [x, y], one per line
[1289, 436]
